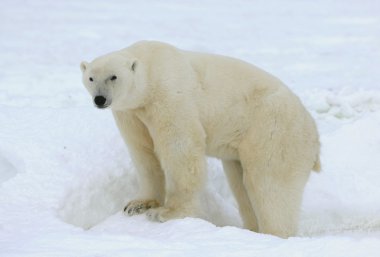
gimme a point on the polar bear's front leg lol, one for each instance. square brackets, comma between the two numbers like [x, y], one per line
[151, 181]
[181, 150]
[150, 175]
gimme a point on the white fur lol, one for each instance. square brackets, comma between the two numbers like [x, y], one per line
[174, 107]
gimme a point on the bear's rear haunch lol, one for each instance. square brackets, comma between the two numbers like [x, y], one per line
[175, 107]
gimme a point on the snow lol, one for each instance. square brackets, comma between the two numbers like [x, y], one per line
[7, 169]
[65, 174]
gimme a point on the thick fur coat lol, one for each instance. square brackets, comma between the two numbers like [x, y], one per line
[175, 107]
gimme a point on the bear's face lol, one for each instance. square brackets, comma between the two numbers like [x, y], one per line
[111, 81]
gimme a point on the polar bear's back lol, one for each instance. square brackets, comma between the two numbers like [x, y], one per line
[226, 92]
[222, 79]
[229, 72]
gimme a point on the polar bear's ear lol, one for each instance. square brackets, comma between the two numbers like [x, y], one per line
[134, 65]
[83, 66]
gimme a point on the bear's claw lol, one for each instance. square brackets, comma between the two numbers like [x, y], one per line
[139, 206]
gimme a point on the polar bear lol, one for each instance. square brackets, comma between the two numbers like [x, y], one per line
[174, 107]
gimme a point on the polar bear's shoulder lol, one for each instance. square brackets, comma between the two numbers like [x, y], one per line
[146, 47]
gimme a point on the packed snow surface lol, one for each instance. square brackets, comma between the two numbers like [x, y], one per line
[65, 174]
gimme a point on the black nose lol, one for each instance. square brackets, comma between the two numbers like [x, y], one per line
[100, 100]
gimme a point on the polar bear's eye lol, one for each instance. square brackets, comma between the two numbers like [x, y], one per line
[113, 77]
[91, 79]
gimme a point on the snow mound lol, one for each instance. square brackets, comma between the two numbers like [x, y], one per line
[95, 199]
[92, 200]
[345, 195]
[10, 166]
[346, 103]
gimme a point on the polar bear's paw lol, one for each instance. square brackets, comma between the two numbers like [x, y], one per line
[139, 206]
[163, 214]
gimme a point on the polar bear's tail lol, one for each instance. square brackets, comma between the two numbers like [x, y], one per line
[317, 165]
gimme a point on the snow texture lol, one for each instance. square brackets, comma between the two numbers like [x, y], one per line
[65, 174]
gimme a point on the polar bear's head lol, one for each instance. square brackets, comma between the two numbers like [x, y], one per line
[115, 81]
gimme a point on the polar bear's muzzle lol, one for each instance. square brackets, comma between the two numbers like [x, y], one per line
[101, 102]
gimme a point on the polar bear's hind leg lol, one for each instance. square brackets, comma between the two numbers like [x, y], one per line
[234, 174]
[274, 187]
